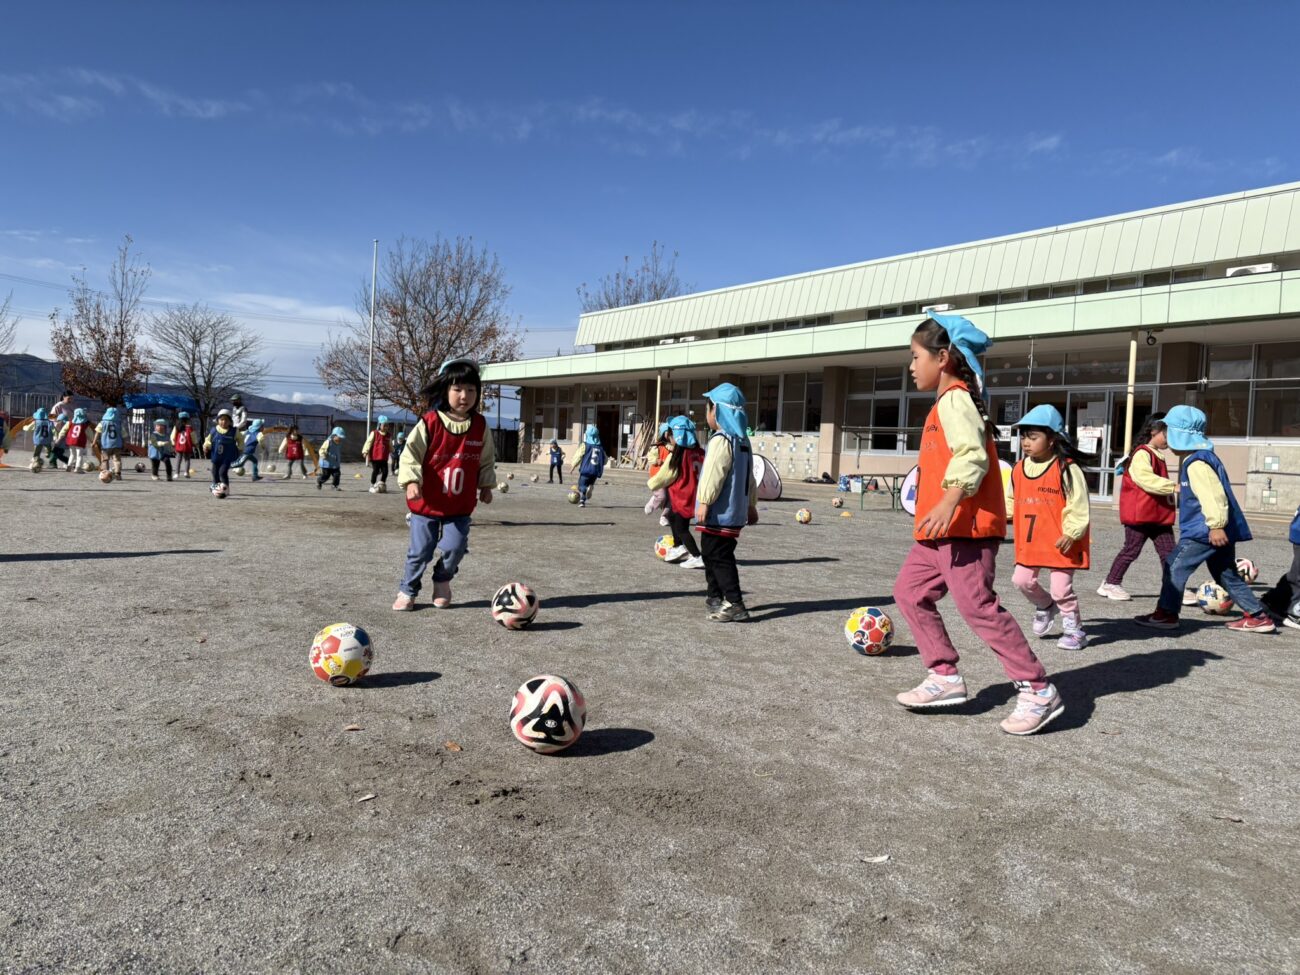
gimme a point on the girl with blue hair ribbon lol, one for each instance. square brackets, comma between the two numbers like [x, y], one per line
[961, 520]
[725, 501]
[590, 464]
[679, 478]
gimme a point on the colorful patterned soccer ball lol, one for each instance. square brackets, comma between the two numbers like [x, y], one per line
[510, 476]
[514, 606]
[663, 544]
[220, 490]
[139, 468]
[341, 654]
[105, 476]
[35, 466]
[1247, 570]
[573, 497]
[803, 516]
[548, 713]
[1213, 599]
[503, 487]
[837, 502]
[869, 630]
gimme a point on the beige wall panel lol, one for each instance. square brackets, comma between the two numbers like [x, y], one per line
[1014, 322]
[839, 338]
[1293, 225]
[1037, 273]
[1207, 235]
[1107, 311]
[1055, 258]
[1273, 238]
[1073, 253]
[1110, 237]
[1189, 231]
[1155, 309]
[1006, 276]
[1167, 236]
[1092, 238]
[1234, 219]
[1252, 227]
[750, 347]
[895, 334]
[966, 271]
[887, 286]
[1145, 249]
[992, 267]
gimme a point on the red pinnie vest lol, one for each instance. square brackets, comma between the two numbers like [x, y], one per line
[1139, 507]
[379, 448]
[183, 435]
[77, 435]
[681, 493]
[293, 449]
[449, 485]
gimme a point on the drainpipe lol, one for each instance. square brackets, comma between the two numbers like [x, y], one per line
[659, 388]
[1132, 380]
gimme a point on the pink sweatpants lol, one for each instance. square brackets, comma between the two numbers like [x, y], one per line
[964, 567]
[1061, 583]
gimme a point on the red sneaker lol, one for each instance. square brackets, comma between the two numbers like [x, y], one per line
[1259, 623]
[1159, 620]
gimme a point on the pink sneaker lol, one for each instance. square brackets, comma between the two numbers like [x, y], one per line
[934, 692]
[1034, 710]
[441, 594]
[1259, 623]
[1043, 619]
[403, 603]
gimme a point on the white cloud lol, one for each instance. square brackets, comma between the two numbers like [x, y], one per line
[297, 396]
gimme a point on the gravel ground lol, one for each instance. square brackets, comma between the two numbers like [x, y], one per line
[179, 793]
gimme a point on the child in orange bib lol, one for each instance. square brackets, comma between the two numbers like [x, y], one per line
[1047, 496]
[960, 522]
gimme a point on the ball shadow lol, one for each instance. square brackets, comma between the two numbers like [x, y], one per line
[555, 625]
[396, 678]
[607, 741]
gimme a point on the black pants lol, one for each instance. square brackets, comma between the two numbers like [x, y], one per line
[326, 473]
[557, 470]
[1280, 597]
[682, 532]
[165, 460]
[378, 471]
[720, 569]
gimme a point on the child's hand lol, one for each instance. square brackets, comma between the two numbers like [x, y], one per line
[1218, 537]
[701, 512]
[935, 523]
[413, 491]
[485, 495]
[753, 515]
[1064, 544]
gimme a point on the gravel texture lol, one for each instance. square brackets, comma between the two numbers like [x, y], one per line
[178, 792]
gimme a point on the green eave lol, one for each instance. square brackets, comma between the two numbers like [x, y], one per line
[1252, 297]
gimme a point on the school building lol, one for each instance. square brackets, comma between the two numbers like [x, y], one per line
[1196, 303]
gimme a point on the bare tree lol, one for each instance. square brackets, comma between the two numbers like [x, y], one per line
[207, 354]
[8, 325]
[436, 300]
[98, 339]
[655, 279]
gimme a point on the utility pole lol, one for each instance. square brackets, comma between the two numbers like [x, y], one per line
[370, 371]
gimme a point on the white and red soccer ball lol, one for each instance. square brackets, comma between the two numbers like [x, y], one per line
[1213, 599]
[1247, 570]
[548, 713]
[837, 502]
[515, 606]
[341, 654]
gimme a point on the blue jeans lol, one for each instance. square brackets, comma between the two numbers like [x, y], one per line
[1189, 554]
[247, 459]
[585, 483]
[442, 541]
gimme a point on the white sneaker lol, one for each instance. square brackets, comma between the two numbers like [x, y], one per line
[676, 554]
[1113, 592]
[1189, 597]
[663, 521]
[372, 489]
[694, 562]
[1043, 619]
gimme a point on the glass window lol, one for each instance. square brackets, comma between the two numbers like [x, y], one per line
[1094, 287]
[861, 380]
[1065, 290]
[1226, 406]
[768, 390]
[1229, 362]
[885, 415]
[794, 384]
[889, 379]
[564, 394]
[812, 417]
[1038, 294]
[1189, 274]
[546, 396]
[792, 417]
[1122, 284]
[1108, 367]
[857, 413]
[1155, 280]
[564, 422]
[749, 386]
[1280, 361]
[1277, 411]
[918, 408]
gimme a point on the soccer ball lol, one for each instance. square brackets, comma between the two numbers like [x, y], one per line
[270, 468]
[1213, 599]
[573, 496]
[663, 544]
[1247, 570]
[408, 517]
[90, 465]
[220, 490]
[341, 654]
[189, 474]
[803, 516]
[503, 487]
[139, 468]
[381, 488]
[534, 479]
[510, 476]
[869, 630]
[35, 466]
[837, 502]
[514, 606]
[105, 476]
[239, 470]
[548, 713]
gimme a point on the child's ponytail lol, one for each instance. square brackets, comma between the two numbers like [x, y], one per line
[1153, 424]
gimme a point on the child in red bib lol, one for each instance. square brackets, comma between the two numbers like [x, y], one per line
[679, 478]
[960, 522]
[1047, 497]
[376, 451]
[295, 451]
[447, 466]
[1146, 505]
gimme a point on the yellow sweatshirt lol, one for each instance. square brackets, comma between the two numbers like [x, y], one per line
[963, 428]
[1208, 489]
[1145, 477]
[410, 469]
[1077, 513]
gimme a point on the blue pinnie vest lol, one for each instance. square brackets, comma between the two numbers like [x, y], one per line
[1294, 534]
[333, 455]
[557, 455]
[731, 510]
[593, 461]
[224, 447]
[250, 445]
[1191, 519]
[110, 438]
[159, 445]
[42, 433]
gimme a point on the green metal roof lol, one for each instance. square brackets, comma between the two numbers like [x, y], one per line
[1237, 228]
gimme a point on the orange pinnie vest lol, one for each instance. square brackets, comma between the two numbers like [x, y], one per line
[1040, 513]
[983, 514]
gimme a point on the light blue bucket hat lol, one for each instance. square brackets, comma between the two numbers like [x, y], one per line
[1185, 429]
[1045, 416]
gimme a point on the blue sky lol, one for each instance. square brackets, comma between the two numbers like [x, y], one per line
[253, 150]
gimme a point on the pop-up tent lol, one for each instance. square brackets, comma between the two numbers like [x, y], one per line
[170, 401]
[767, 479]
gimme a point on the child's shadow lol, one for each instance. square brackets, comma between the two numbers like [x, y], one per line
[1081, 687]
[1102, 632]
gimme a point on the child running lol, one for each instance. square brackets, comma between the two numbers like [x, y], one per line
[76, 432]
[222, 445]
[293, 450]
[960, 523]
[1047, 495]
[1283, 600]
[656, 457]
[1210, 524]
[160, 448]
[677, 479]
[1146, 506]
[42, 430]
[376, 450]
[109, 432]
[725, 501]
[399, 444]
[248, 452]
[183, 443]
[330, 459]
[590, 465]
[448, 465]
